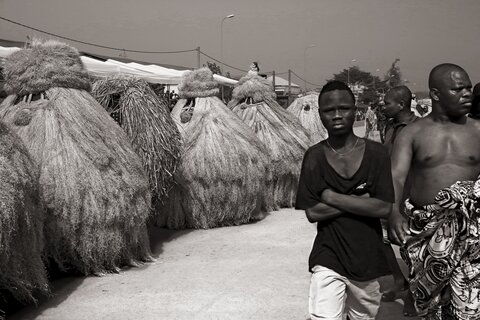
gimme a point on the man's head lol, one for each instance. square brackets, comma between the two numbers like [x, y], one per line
[336, 106]
[396, 100]
[450, 90]
[475, 111]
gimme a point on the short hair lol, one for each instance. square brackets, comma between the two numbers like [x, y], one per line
[439, 71]
[335, 85]
[402, 92]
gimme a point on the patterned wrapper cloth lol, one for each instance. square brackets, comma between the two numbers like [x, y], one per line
[443, 255]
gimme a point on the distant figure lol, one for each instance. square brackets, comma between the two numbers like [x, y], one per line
[413, 106]
[345, 187]
[381, 122]
[254, 67]
[439, 238]
[475, 111]
[370, 124]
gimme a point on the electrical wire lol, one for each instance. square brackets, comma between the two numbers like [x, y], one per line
[93, 44]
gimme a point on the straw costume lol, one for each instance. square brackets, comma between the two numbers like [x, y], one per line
[92, 182]
[223, 166]
[305, 108]
[443, 255]
[22, 272]
[147, 122]
[285, 138]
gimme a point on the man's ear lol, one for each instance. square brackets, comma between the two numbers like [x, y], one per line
[434, 94]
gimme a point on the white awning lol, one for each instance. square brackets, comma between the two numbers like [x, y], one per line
[151, 73]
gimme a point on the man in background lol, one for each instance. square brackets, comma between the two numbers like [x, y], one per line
[397, 109]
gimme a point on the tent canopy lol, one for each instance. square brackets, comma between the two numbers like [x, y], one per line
[150, 73]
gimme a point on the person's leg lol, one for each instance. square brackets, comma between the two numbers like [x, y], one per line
[363, 299]
[327, 294]
[399, 281]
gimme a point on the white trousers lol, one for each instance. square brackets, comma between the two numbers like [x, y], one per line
[333, 296]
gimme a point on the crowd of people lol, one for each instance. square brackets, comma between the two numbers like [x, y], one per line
[421, 184]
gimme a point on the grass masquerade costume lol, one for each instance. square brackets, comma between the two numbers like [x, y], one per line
[92, 182]
[283, 135]
[305, 108]
[147, 122]
[22, 272]
[220, 178]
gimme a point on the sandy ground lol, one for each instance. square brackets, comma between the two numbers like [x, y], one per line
[255, 271]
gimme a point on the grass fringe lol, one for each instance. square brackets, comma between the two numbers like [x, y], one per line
[147, 122]
[222, 172]
[22, 271]
[305, 108]
[283, 135]
[92, 182]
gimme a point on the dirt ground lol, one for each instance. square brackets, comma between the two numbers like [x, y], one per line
[254, 271]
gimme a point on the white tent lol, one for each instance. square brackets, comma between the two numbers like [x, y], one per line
[150, 73]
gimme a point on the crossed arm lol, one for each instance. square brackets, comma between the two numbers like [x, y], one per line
[334, 204]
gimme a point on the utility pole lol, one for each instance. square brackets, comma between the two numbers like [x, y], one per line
[198, 57]
[289, 86]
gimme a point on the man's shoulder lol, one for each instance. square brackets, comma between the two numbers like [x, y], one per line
[474, 122]
[316, 148]
[416, 125]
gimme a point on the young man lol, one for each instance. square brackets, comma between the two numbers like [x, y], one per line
[440, 243]
[397, 109]
[345, 187]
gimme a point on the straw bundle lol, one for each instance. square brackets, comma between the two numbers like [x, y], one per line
[92, 182]
[148, 124]
[22, 272]
[305, 108]
[223, 165]
[285, 138]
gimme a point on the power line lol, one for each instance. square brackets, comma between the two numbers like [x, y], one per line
[313, 84]
[206, 55]
[93, 44]
[138, 51]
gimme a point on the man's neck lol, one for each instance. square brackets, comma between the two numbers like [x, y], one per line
[403, 116]
[339, 141]
[438, 115]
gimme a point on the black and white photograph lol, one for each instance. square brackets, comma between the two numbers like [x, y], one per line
[240, 160]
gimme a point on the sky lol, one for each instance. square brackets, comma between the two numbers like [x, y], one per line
[314, 38]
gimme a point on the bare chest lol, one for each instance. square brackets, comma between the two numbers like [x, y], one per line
[448, 147]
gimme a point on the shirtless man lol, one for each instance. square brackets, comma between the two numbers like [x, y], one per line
[437, 151]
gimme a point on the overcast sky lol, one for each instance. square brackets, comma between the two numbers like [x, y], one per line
[421, 33]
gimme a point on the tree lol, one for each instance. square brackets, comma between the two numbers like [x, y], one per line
[372, 84]
[393, 77]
